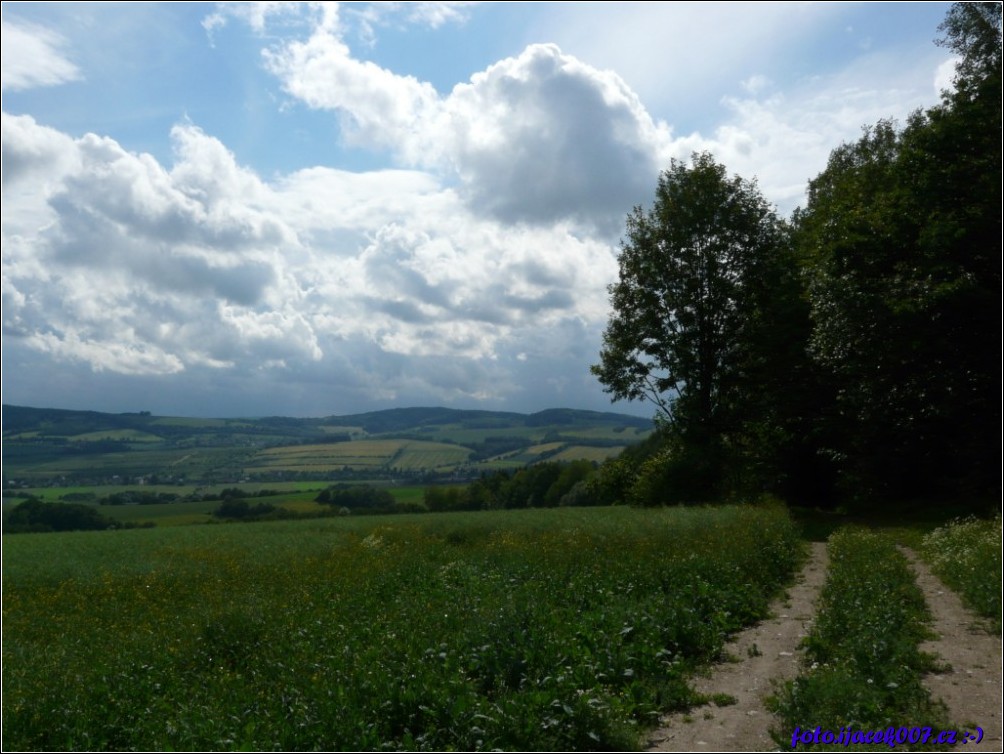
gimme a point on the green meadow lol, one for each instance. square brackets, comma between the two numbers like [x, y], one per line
[537, 629]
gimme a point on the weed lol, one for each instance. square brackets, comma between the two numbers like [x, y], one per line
[724, 700]
[966, 554]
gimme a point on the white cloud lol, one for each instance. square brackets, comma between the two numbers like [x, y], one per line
[32, 151]
[378, 107]
[256, 14]
[785, 138]
[534, 138]
[544, 136]
[31, 56]
[474, 272]
[384, 282]
[944, 77]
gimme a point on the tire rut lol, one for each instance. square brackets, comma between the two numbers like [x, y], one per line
[971, 689]
[764, 652]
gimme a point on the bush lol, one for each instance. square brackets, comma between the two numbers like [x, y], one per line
[238, 508]
[35, 516]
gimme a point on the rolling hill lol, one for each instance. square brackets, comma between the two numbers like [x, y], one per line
[88, 447]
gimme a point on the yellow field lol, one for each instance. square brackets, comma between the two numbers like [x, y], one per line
[359, 455]
[547, 447]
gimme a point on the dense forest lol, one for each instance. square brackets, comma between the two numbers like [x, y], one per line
[846, 355]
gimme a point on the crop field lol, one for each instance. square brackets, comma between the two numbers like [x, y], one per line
[297, 497]
[585, 453]
[359, 455]
[189, 461]
[54, 494]
[539, 629]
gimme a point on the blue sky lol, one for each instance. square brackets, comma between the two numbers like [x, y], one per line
[312, 209]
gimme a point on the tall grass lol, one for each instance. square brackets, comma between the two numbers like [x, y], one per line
[966, 554]
[558, 629]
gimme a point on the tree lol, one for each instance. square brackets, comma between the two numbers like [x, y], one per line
[973, 32]
[704, 275]
[902, 233]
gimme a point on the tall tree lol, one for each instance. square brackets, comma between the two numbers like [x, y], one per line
[696, 304]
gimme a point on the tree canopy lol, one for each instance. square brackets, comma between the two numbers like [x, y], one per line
[859, 345]
[902, 237]
[704, 278]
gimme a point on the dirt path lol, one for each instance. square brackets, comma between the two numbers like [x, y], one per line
[764, 652]
[972, 688]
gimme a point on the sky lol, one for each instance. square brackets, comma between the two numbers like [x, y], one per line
[307, 209]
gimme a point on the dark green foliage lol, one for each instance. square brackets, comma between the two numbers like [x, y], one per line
[357, 497]
[973, 32]
[134, 497]
[36, 516]
[239, 508]
[902, 238]
[543, 485]
[709, 324]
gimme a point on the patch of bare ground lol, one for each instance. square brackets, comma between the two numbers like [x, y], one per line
[971, 686]
[762, 653]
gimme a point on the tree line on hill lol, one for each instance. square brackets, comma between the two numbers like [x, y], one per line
[847, 355]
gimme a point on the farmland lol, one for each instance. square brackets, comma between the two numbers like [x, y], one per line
[542, 629]
[45, 447]
[365, 455]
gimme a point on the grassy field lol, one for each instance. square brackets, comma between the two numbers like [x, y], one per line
[539, 629]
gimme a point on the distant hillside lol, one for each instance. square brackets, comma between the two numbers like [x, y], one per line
[90, 447]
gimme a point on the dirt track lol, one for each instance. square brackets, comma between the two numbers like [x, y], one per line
[770, 650]
[766, 651]
[971, 689]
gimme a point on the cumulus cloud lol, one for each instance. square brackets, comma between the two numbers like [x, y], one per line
[378, 108]
[534, 138]
[110, 254]
[32, 56]
[543, 136]
[386, 283]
